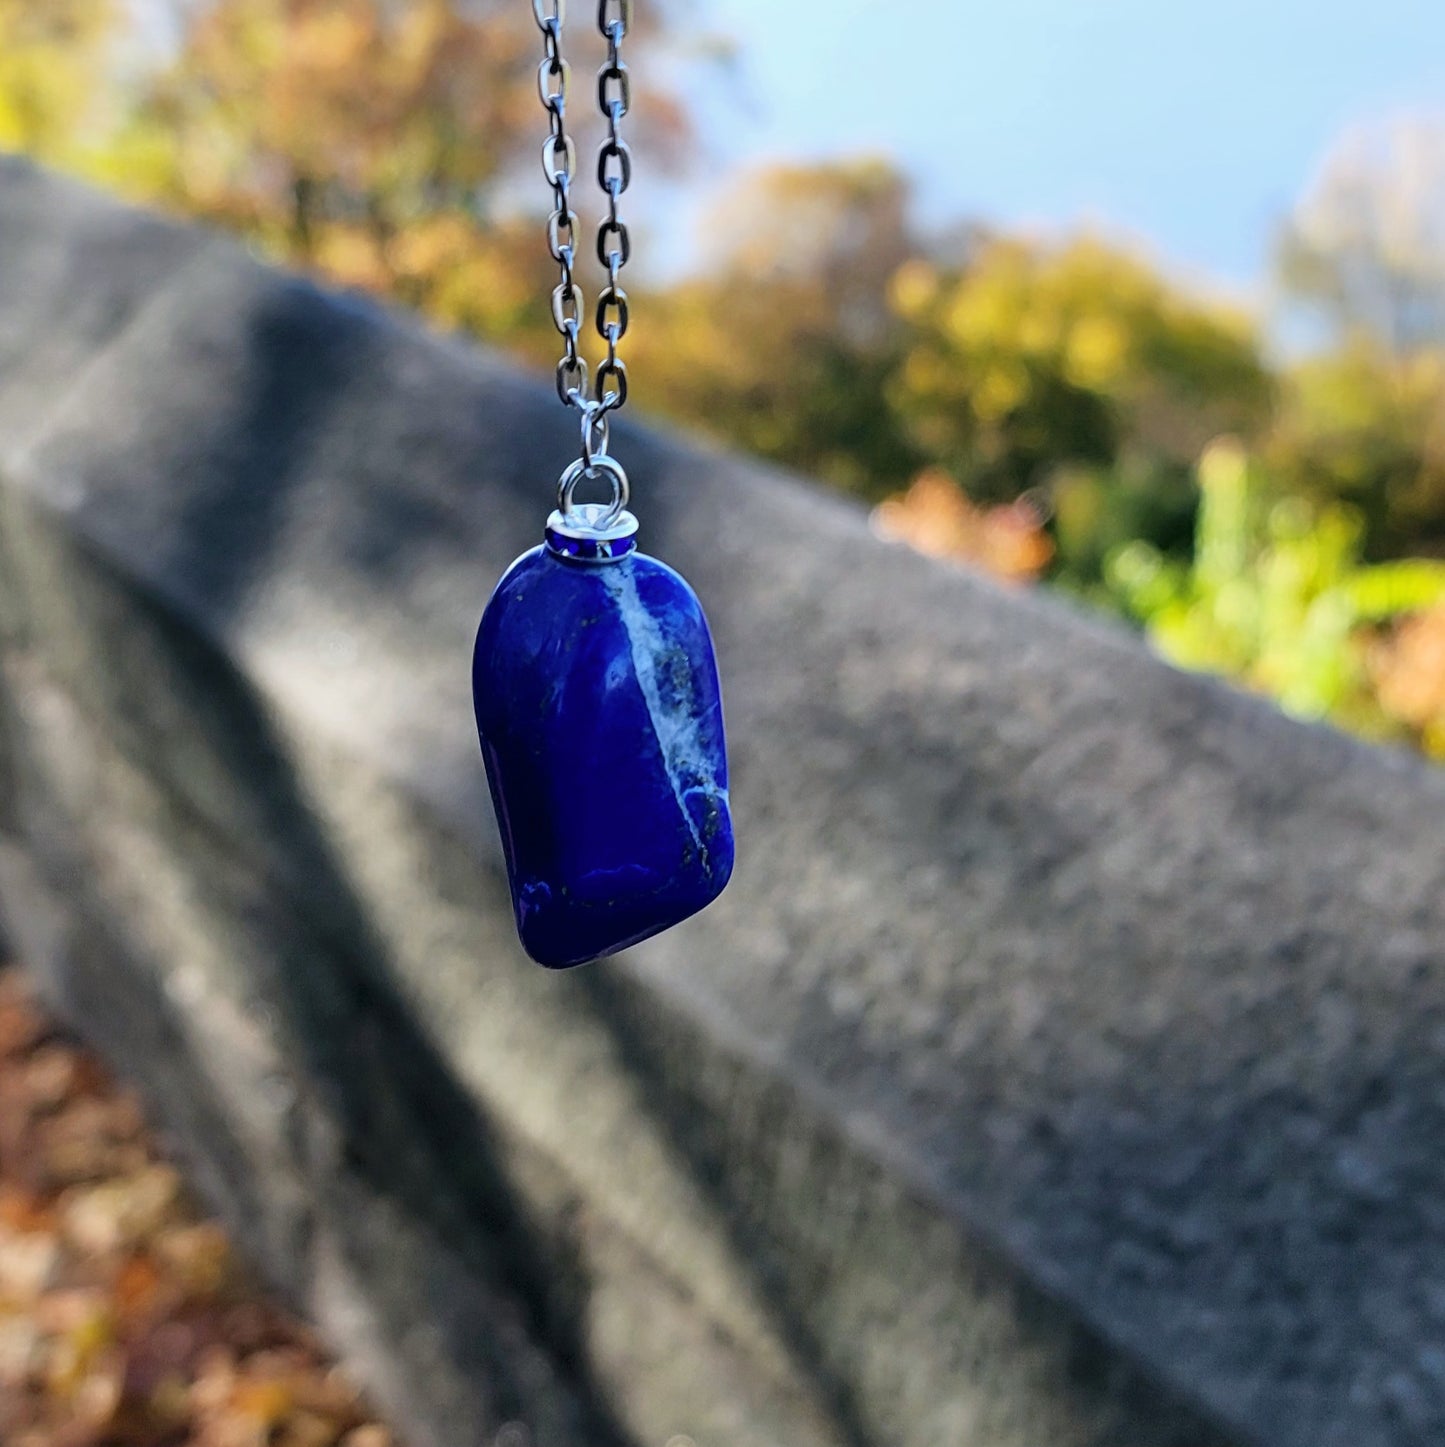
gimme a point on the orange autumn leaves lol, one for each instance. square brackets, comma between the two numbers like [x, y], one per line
[124, 1319]
[935, 517]
[1408, 671]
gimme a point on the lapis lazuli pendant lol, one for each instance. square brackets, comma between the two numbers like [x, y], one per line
[600, 715]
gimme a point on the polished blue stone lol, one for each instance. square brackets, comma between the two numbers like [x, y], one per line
[600, 717]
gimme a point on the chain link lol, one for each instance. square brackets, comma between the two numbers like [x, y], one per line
[614, 176]
[614, 240]
[559, 161]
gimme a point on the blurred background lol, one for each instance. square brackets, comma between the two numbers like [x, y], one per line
[1140, 303]
[1145, 303]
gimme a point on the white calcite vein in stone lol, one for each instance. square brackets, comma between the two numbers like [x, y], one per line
[678, 729]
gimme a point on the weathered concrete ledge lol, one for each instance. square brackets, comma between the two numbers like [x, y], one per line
[1064, 1068]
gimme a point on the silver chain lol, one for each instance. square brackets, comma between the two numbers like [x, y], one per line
[614, 242]
[614, 176]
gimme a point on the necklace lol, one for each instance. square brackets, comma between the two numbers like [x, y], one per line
[594, 677]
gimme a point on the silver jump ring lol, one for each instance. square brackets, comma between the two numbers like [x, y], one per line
[596, 433]
[605, 466]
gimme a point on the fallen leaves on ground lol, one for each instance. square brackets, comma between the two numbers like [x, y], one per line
[124, 1319]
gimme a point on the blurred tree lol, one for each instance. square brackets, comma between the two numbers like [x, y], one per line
[1368, 428]
[55, 56]
[381, 142]
[1034, 356]
[1076, 370]
[839, 231]
[783, 344]
[1277, 596]
[1364, 256]
[1365, 248]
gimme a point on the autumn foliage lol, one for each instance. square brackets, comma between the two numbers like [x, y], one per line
[1031, 405]
[125, 1320]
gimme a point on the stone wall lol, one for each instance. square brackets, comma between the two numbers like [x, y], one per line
[1063, 1066]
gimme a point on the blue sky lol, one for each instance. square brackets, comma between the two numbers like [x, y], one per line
[1192, 126]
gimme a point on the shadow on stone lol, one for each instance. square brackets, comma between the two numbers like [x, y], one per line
[776, 1234]
[371, 1109]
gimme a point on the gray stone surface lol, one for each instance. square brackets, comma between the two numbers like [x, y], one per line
[1065, 1065]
